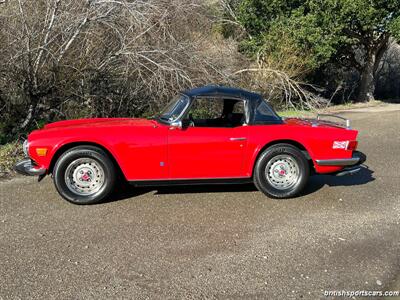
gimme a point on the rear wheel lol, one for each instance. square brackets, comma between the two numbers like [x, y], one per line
[281, 171]
[84, 175]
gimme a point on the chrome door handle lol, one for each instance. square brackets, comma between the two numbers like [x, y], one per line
[238, 139]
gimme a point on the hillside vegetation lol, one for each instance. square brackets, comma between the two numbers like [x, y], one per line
[62, 59]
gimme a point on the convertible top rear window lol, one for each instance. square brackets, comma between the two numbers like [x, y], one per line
[264, 114]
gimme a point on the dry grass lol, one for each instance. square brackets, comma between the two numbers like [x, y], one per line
[9, 155]
[296, 114]
[293, 113]
[348, 106]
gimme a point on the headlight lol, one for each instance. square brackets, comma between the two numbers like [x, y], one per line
[25, 147]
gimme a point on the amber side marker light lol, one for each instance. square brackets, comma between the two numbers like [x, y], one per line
[41, 151]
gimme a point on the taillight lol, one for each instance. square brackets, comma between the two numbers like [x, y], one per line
[352, 145]
[347, 145]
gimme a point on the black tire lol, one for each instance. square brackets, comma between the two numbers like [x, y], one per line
[295, 156]
[98, 158]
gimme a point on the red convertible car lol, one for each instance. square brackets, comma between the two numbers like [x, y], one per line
[210, 134]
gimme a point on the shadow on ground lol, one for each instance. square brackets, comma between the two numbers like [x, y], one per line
[315, 183]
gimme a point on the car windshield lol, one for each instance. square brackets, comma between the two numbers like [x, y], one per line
[174, 109]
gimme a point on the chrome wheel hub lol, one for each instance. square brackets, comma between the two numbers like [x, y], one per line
[84, 176]
[282, 172]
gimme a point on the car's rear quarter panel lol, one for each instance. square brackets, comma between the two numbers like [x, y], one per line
[317, 141]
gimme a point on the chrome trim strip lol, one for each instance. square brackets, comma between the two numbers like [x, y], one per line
[188, 179]
[238, 139]
[338, 162]
[348, 125]
[25, 147]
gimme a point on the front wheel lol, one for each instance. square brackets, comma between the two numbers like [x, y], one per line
[84, 175]
[281, 171]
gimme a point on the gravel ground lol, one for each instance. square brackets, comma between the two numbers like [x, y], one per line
[214, 242]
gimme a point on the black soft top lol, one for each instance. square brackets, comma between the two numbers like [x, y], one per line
[214, 90]
[253, 100]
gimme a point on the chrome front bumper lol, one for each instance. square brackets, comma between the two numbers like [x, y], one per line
[27, 167]
[357, 159]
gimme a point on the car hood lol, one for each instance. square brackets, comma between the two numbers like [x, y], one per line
[99, 122]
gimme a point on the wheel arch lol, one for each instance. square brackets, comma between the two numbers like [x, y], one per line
[71, 145]
[292, 142]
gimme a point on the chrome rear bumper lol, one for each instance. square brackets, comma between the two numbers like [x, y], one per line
[357, 159]
[27, 167]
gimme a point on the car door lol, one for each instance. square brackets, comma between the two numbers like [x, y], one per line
[208, 150]
[142, 150]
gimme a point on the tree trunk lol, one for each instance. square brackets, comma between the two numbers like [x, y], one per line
[31, 114]
[367, 80]
[368, 72]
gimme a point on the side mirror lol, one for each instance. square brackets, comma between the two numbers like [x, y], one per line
[177, 124]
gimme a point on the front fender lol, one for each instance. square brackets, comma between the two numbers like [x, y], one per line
[55, 146]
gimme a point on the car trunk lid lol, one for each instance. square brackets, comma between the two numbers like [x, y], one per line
[313, 122]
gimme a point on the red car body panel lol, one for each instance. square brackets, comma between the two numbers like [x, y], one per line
[148, 150]
[204, 153]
